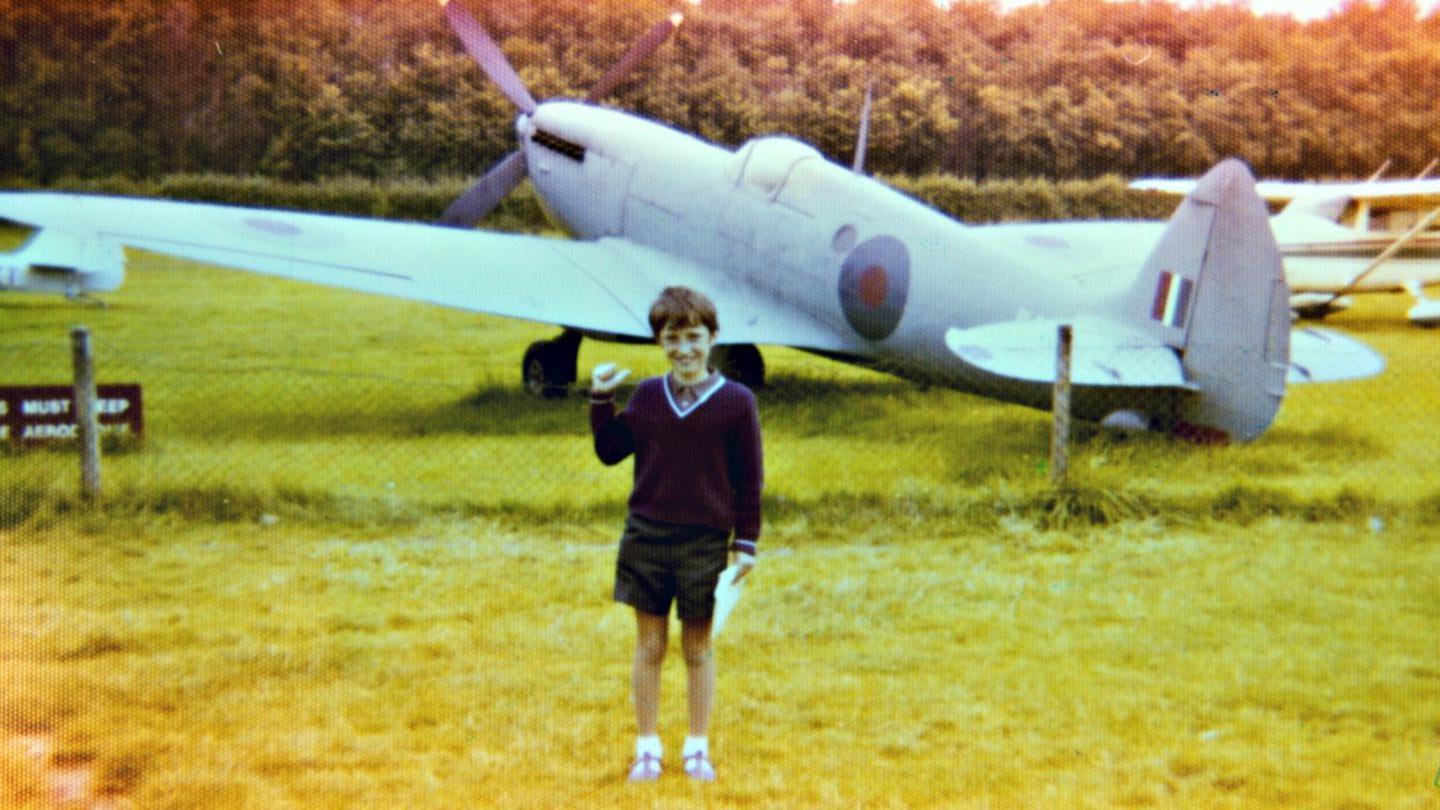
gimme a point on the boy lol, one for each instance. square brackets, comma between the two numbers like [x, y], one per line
[698, 473]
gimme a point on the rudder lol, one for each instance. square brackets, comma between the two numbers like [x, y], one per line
[1214, 289]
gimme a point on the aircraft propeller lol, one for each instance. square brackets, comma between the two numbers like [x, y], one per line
[482, 198]
[643, 47]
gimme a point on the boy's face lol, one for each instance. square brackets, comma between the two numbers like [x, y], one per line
[688, 348]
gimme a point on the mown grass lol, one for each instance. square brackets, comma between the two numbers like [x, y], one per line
[477, 663]
[353, 566]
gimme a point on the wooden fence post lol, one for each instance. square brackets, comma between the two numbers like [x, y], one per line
[1060, 424]
[88, 427]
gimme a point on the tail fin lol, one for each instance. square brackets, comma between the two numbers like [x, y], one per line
[1326, 205]
[65, 262]
[1214, 290]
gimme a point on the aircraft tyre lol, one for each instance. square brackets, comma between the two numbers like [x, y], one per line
[1311, 313]
[548, 368]
[740, 362]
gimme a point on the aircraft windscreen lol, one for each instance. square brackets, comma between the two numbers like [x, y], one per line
[767, 161]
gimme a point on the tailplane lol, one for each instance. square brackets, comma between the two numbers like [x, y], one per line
[1213, 289]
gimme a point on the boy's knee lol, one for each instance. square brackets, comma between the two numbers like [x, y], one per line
[650, 653]
[699, 657]
[698, 650]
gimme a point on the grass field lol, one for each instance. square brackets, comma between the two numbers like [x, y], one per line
[352, 566]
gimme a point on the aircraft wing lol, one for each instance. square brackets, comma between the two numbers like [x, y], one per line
[1104, 353]
[1324, 355]
[1109, 354]
[603, 286]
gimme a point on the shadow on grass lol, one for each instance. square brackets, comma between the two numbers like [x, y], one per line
[802, 405]
[32, 302]
[1327, 442]
[34, 507]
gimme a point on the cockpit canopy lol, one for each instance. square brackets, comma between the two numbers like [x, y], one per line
[764, 163]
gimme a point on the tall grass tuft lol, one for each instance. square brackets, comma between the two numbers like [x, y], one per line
[1070, 506]
[1244, 504]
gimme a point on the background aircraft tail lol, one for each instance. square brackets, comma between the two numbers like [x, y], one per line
[1214, 290]
[58, 261]
[1328, 205]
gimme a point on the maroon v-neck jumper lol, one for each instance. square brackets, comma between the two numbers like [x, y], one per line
[701, 466]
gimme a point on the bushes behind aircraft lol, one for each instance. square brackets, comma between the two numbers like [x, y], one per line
[383, 88]
[415, 199]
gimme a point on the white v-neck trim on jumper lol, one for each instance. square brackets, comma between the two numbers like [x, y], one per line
[681, 413]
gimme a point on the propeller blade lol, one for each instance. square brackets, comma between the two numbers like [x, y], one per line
[492, 60]
[642, 48]
[481, 199]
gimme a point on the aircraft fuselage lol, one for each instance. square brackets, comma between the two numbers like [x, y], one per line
[884, 271]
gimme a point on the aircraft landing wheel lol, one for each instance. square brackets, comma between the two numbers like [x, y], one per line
[740, 362]
[549, 368]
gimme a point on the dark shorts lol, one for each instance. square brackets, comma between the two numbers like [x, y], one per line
[660, 563]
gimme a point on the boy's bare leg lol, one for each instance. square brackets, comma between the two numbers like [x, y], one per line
[700, 667]
[652, 636]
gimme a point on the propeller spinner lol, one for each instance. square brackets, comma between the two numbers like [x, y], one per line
[504, 176]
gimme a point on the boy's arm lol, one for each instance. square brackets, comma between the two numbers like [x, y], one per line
[748, 473]
[613, 440]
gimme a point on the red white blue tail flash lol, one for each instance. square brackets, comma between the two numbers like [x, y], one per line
[1172, 299]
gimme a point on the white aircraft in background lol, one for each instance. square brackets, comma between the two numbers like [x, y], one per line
[1342, 238]
[60, 262]
[1187, 330]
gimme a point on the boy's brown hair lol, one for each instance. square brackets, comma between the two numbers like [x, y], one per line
[682, 307]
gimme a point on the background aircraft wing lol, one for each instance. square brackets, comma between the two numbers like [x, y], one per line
[1273, 190]
[603, 286]
[1413, 192]
[1410, 193]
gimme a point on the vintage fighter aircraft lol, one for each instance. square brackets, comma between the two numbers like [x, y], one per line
[1188, 332]
[1343, 238]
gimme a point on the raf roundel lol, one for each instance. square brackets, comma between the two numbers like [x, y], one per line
[874, 285]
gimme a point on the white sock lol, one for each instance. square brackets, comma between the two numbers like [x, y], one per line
[649, 745]
[696, 745]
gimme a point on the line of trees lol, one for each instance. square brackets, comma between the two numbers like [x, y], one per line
[380, 88]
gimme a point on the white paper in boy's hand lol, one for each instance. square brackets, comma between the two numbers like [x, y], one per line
[727, 593]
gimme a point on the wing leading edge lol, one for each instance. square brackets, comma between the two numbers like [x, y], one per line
[604, 286]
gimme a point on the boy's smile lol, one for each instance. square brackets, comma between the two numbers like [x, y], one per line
[688, 349]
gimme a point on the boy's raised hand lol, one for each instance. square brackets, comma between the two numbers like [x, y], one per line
[607, 377]
[746, 563]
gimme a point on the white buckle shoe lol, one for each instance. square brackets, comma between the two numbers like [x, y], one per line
[698, 767]
[646, 768]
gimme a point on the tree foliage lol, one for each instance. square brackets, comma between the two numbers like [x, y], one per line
[380, 88]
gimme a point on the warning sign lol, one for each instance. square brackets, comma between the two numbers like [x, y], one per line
[45, 414]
